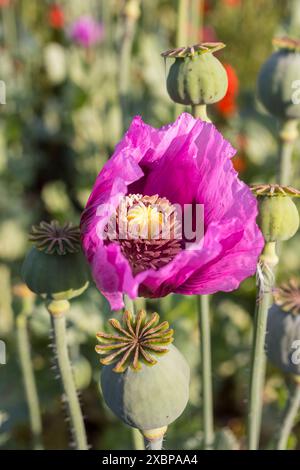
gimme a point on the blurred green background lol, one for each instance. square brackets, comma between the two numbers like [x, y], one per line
[62, 118]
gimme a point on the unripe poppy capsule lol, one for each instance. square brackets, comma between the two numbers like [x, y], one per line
[196, 77]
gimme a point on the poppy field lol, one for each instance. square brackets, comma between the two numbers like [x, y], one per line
[149, 225]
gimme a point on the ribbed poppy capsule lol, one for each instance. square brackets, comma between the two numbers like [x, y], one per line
[278, 216]
[196, 77]
[145, 379]
[55, 267]
[278, 80]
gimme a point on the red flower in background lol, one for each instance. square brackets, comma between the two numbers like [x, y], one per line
[5, 3]
[56, 17]
[227, 106]
[239, 161]
[233, 3]
[207, 34]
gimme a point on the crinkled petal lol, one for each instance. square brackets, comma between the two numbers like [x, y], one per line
[188, 162]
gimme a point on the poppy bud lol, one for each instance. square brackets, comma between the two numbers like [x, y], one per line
[196, 77]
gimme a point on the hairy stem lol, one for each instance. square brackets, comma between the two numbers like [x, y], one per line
[206, 372]
[268, 261]
[57, 310]
[289, 416]
[29, 381]
[288, 135]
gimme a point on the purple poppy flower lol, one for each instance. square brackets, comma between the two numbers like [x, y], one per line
[185, 164]
[86, 31]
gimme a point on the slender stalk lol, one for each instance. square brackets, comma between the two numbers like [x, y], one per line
[129, 304]
[199, 111]
[10, 27]
[130, 16]
[153, 438]
[288, 135]
[182, 22]
[196, 21]
[268, 261]
[289, 416]
[181, 36]
[29, 381]
[58, 309]
[153, 445]
[138, 440]
[206, 372]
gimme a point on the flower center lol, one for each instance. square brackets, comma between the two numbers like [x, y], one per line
[148, 230]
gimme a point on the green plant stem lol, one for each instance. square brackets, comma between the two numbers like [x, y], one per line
[137, 439]
[153, 444]
[196, 21]
[58, 310]
[200, 112]
[268, 261]
[182, 22]
[130, 15]
[289, 416]
[181, 36]
[10, 27]
[129, 304]
[206, 372]
[288, 135]
[29, 381]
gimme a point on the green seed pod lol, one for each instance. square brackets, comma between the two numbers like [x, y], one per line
[196, 77]
[278, 79]
[283, 329]
[278, 216]
[143, 391]
[55, 268]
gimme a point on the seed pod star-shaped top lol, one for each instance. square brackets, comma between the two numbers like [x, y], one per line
[135, 342]
[287, 296]
[55, 267]
[53, 238]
